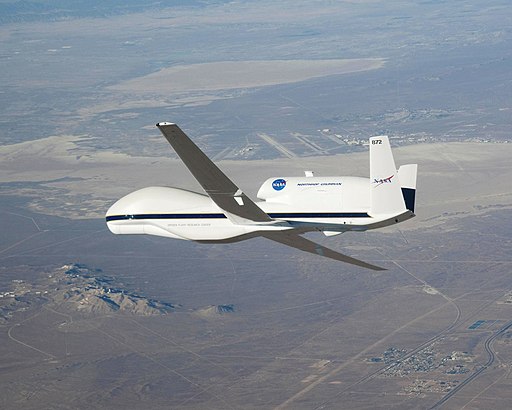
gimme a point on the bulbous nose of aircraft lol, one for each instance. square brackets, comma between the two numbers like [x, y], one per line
[115, 214]
[120, 216]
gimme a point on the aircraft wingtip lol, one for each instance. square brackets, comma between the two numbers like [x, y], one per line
[160, 124]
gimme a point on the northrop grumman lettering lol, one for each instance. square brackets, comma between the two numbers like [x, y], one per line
[290, 206]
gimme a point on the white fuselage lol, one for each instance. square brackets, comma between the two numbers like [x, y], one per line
[289, 206]
[329, 204]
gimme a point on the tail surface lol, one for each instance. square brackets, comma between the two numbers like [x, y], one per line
[385, 190]
[407, 175]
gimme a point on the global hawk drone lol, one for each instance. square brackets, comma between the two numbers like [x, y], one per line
[290, 206]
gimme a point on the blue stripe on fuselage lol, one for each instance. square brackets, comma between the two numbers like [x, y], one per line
[164, 216]
[319, 215]
[278, 215]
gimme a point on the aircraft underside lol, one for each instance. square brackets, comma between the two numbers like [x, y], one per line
[210, 224]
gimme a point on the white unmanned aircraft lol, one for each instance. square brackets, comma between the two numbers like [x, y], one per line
[291, 206]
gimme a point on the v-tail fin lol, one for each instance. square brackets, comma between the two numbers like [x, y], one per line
[407, 175]
[385, 190]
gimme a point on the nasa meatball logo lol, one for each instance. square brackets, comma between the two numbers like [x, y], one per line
[278, 184]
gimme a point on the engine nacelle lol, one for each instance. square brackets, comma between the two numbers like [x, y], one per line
[325, 193]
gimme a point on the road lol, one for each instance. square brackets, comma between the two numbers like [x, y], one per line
[488, 348]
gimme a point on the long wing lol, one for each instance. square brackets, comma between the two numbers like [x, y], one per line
[296, 241]
[231, 199]
[216, 184]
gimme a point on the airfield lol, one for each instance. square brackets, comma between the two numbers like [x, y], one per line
[252, 321]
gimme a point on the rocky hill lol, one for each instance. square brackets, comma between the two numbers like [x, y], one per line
[79, 288]
[90, 291]
[214, 310]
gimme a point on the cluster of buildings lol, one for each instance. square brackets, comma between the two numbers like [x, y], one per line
[423, 361]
